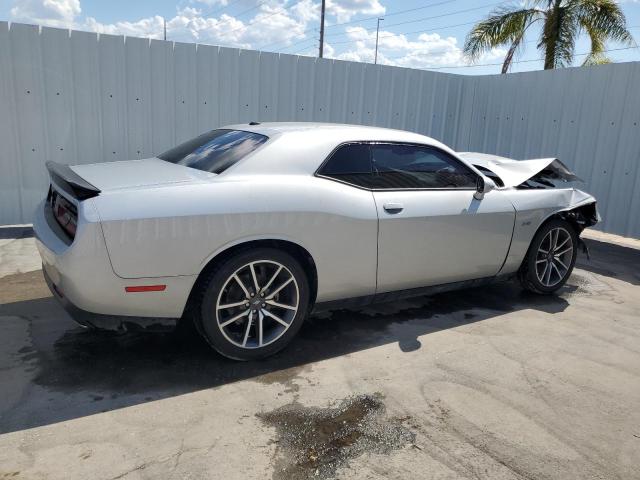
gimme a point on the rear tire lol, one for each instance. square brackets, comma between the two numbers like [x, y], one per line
[550, 259]
[253, 303]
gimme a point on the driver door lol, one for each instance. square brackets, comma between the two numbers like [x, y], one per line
[431, 228]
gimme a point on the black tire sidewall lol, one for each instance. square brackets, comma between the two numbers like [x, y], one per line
[531, 276]
[208, 322]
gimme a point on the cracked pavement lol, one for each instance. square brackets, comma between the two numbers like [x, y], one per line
[490, 383]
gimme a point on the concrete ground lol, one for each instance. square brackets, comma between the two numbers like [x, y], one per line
[488, 383]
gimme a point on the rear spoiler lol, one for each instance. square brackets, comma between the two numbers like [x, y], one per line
[71, 182]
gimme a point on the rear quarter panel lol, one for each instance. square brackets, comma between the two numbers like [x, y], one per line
[176, 230]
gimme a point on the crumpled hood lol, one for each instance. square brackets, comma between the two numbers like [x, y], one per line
[515, 172]
[138, 173]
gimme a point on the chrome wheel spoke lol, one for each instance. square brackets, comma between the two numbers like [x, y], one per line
[557, 259]
[566, 250]
[553, 265]
[273, 303]
[544, 272]
[233, 319]
[244, 289]
[548, 277]
[248, 329]
[260, 327]
[272, 278]
[231, 305]
[275, 317]
[277, 290]
[255, 279]
[563, 243]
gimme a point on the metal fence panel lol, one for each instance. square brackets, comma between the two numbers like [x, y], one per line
[78, 97]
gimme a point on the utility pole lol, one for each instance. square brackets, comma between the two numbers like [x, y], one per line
[321, 30]
[165, 27]
[375, 60]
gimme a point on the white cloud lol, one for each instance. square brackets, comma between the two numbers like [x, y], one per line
[344, 10]
[272, 23]
[53, 13]
[212, 3]
[428, 50]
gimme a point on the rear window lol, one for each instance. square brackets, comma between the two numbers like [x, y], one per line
[214, 151]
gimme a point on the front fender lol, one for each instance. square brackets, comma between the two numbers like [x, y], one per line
[533, 208]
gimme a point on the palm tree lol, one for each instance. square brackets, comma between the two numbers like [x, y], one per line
[562, 22]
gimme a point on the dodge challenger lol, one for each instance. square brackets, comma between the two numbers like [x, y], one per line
[246, 229]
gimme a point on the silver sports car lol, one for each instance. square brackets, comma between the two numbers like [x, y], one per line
[246, 229]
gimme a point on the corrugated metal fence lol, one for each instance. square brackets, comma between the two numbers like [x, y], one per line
[76, 97]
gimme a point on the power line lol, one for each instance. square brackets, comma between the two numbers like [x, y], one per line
[520, 61]
[393, 34]
[396, 24]
[412, 32]
[429, 18]
[214, 11]
[298, 52]
[259, 4]
[399, 12]
[282, 10]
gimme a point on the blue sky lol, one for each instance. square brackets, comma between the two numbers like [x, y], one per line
[414, 33]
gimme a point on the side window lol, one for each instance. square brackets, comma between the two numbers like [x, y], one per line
[350, 163]
[413, 166]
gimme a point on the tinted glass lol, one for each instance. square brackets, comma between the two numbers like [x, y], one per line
[214, 151]
[410, 166]
[350, 163]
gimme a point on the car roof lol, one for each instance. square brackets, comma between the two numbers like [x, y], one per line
[301, 147]
[339, 130]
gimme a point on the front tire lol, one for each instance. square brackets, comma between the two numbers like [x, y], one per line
[550, 259]
[253, 303]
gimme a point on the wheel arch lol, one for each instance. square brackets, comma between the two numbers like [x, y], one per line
[578, 216]
[300, 253]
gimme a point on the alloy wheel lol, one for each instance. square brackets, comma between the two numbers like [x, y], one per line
[554, 256]
[257, 304]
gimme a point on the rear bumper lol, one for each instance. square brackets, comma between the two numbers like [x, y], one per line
[118, 323]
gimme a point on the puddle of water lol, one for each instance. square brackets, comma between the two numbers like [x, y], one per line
[314, 442]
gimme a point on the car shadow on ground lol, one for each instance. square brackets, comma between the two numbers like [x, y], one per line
[102, 371]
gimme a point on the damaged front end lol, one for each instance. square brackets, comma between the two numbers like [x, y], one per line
[540, 189]
[538, 173]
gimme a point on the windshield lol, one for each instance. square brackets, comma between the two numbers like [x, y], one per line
[214, 151]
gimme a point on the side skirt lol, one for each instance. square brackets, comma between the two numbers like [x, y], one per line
[384, 297]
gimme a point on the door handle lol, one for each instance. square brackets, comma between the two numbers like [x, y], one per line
[393, 207]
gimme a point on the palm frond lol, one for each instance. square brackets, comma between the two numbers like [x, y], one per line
[596, 59]
[504, 26]
[604, 17]
[564, 21]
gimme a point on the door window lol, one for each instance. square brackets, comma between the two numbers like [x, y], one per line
[397, 166]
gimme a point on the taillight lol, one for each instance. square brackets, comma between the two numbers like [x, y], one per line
[64, 212]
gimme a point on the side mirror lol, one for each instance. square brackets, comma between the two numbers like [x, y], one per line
[483, 185]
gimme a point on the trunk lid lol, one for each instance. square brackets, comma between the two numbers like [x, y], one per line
[128, 174]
